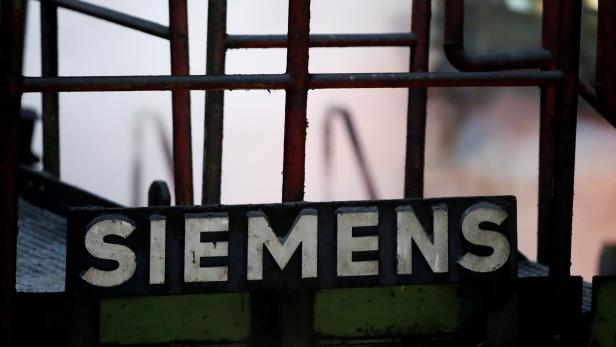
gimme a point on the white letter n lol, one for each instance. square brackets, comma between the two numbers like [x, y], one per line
[410, 230]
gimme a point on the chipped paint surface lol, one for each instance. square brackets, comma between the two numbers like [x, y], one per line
[123, 255]
[474, 233]
[194, 249]
[261, 236]
[157, 250]
[394, 311]
[294, 246]
[155, 319]
[347, 219]
[435, 251]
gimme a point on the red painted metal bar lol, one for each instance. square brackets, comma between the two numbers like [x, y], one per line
[323, 40]
[137, 83]
[464, 61]
[550, 95]
[283, 81]
[214, 102]
[296, 310]
[417, 102]
[112, 16]
[49, 68]
[606, 59]
[296, 101]
[12, 22]
[182, 149]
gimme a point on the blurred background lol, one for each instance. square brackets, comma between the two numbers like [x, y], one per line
[479, 141]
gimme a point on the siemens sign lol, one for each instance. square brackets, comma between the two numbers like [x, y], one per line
[140, 251]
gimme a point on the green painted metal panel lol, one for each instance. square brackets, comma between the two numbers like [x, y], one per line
[354, 313]
[603, 325]
[394, 311]
[162, 319]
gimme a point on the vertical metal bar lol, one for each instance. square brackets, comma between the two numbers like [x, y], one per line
[550, 96]
[12, 18]
[557, 146]
[214, 102]
[296, 310]
[49, 61]
[296, 101]
[417, 102]
[565, 149]
[182, 153]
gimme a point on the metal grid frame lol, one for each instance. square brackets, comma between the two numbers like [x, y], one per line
[553, 68]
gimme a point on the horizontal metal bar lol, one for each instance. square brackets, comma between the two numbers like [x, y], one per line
[136, 83]
[283, 81]
[507, 60]
[435, 79]
[112, 16]
[323, 40]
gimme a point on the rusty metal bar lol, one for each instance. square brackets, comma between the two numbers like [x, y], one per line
[283, 81]
[182, 147]
[464, 61]
[605, 84]
[550, 95]
[296, 310]
[435, 79]
[355, 144]
[112, 16]
[417, 102]
[12, 23]
[323, 40]
[560, 256]
[296, 101]
[136, 83]
[214, 102]
[49, 68]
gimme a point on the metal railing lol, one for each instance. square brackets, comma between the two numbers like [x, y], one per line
[176, 34]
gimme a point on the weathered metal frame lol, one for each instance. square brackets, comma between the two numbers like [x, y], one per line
[12, 26]
[558, 80]
[176, 34]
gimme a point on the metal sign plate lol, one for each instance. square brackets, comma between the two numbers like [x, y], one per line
[289, 246]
